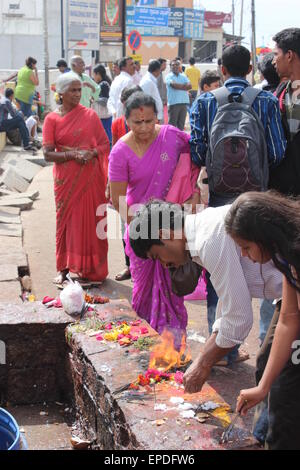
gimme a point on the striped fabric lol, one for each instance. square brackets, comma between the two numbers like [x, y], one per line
[266, 106]
[236, 280]
[292, 104]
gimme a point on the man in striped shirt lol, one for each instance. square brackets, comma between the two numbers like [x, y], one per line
[160, 232]
[235, 68]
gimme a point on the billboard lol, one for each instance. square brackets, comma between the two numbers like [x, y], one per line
[173, 25]
[193, 23]
[216, 19]
[83, 24]
[111, 20]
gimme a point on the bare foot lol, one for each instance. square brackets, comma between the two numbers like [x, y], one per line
[123, 275]
[61, 278]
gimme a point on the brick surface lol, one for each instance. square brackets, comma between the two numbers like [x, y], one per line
[8, 244]
[10, 292]
[18, 258]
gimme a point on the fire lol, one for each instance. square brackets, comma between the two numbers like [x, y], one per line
[164, 356]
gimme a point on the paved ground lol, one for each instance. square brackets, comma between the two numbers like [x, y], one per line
[39, 243]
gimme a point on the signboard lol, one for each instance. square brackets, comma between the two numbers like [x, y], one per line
[134, 40]
[137, 57]
[174, 26]
[83, 24]
[151, 16]
[216, 19]
[111, 20]
[193, 23]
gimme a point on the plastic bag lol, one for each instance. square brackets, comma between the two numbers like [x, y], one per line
[203, 185]
[72, 298]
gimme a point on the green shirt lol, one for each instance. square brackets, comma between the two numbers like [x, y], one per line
[25, 88]
[87, 94]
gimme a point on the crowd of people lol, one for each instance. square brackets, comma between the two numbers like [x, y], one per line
[122, 140]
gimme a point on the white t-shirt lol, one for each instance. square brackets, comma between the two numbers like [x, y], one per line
[30, 123]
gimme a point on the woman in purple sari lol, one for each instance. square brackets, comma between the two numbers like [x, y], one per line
[141, 167]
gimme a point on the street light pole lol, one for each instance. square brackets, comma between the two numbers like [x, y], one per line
[253, 39]
[46, 57]
[233, 18]
[242, 18]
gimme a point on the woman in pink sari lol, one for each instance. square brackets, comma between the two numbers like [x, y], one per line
[141, 168]
[74, 139]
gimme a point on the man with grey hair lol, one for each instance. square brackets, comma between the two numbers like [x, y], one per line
[90, 89]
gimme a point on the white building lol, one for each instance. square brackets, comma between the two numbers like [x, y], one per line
[21, 32]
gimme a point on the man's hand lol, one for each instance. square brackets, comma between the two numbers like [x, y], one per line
[198, 373]
[195, 377]
[89, 85]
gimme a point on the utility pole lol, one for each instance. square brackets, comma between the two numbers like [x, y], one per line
[62, 21]
[253, 12]
[242, 18]
[233, 17]
[46, 57]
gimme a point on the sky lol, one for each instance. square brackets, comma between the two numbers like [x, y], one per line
[271, 17]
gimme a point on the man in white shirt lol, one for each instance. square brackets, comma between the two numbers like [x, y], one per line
[124, 80]
[137, 77]
[149, 86]
[237, 280]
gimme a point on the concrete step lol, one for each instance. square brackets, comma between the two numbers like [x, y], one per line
[22, 203]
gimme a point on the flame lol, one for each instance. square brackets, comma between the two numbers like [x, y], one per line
[164, 356]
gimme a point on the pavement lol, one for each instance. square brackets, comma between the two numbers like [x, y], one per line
[39, 244]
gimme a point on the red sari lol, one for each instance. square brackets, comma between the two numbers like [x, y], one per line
[79, 191]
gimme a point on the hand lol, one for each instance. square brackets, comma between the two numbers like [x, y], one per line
[250, 398]
[195, 377]
[88, 85]
[107, 191]
[194, 202]
[84, 156]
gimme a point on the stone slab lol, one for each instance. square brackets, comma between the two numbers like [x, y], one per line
[24, 168]
[22, 203]
[8, 218]
[18, 258]
[2, 140]
[13, 148]
[10, 210]
[33, 195]
[8, 272]
[10, 292]
[9, 244]
[14, 181]
[38, 160]
[11, 230]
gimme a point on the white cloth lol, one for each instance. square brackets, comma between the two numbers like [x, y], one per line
[30, 123]
[237, 280]
[149, 86]
[120, 82]
[137, 77]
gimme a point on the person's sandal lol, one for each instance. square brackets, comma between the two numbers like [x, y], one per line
[242, 356]
[124, 275]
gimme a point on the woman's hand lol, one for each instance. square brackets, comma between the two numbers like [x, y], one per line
[250, 398]
[84, 156]
[107, 191]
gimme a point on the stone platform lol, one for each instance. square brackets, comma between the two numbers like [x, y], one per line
[126, 420]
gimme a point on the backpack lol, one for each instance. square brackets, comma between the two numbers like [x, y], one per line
[237, 159]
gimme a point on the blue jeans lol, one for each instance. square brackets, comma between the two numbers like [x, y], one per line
[216, 200]
[25, 108]
[267, 310]
[16, 123]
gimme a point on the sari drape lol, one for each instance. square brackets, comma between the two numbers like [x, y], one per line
[79, 191]
[150, 178]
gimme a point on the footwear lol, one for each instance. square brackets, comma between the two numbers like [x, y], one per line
[222, 363]
[123, 275]
[31, 148]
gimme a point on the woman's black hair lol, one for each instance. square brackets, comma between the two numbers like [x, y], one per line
[9, 92]
[102, 70]
[272, 221]
[30, 61]
[138, 100]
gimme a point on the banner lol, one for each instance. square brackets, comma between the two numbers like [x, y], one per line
[151, 16]
[193, 24]
[174, 25]
[83, 24]
[216, 19]
[111, 20]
